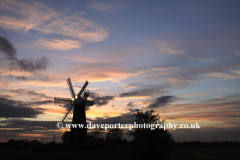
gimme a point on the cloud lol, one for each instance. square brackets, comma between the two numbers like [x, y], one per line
[100, 100]
[147, 90]
[35, 97]
[32, 65]
[18, 128]
[26, 64]
[194, 94]
[105, 7]
[7, 48]
[201, 59]
[23, 78]
[31, 125]
[223, 75]
[57, 44]
[33, 15]
[125, 118]
[9, 111]
[236, 71]
[180, 77]
[131, 105]
[237, 53]
[223, 111]
[202, 43]
[37, 103]
[167, 47]
[102, 71]
[229, 99]
[181, 81]
[161, 101]
[129, 94]
[30, 93]
[100, 6]
[11, 108]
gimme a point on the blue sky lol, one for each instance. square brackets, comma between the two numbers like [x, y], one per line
[180, 58]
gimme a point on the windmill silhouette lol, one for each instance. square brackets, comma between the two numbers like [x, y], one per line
[78, 106]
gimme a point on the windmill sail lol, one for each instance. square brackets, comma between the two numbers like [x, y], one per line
[71, 88]
[67, 113]
[69, 116]
[62, 100]
[83, 88]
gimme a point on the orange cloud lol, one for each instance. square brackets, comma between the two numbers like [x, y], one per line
[223, 75]
[179, 81]
[33, 135]
[57, 44]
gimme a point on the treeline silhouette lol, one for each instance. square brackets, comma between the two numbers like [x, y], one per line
[207, 145]
[110, 144]
[19, 144]
[90, 143]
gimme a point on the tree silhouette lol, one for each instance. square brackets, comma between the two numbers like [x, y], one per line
[147, 143]
[114, 134]
[66, 137]
[114, 139]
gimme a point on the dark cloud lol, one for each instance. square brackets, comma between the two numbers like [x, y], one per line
[5, 99]
[145, 90]
[131, 105]
[129, 94]
[30, 125]
[23, 78]
[161, 101]
[9, 111]
[100, 100]
[10, 108]
[32, 65]
[26, 64]
[126, 118]
[37, 103]
[7, 48]
[18, 128]
[30, 93]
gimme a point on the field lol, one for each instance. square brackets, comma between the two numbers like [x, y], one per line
[177, 154]
[205, 154]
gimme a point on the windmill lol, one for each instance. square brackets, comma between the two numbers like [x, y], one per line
[78, 108]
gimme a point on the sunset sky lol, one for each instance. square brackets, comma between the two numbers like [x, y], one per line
[180, 58]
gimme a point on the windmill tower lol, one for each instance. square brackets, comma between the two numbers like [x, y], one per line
[78, 108]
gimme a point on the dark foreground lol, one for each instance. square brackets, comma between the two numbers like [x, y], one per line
[205, 154]
[177, 154]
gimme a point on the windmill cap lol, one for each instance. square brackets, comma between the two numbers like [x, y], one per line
[78, 101]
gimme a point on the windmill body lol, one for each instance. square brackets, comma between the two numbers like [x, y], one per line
[79, 114]
[79, 117]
